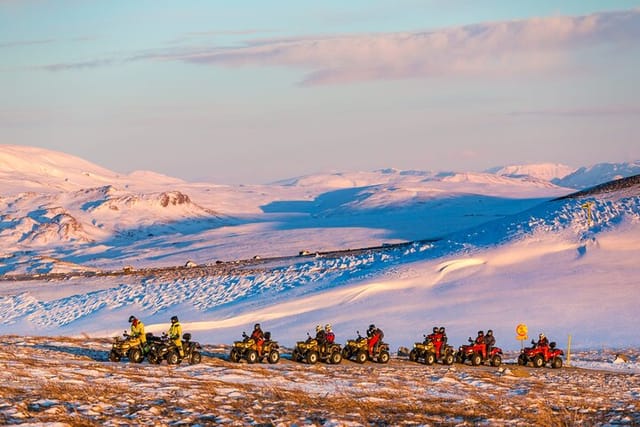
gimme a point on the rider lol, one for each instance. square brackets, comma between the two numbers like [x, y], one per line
[490, 341]
[373, 336]
[443, 334]
[258, 337]
[543, 341]
[175, 332]
[137, 330]
[321, 337]
[330, 336]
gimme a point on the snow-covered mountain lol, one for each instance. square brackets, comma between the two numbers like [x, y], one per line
[543, 171]
[484, 251]
[589, 176]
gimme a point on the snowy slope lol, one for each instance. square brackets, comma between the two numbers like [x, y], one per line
[502, 252]
[543, 171]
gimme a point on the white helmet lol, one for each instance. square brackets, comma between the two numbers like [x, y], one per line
[327, 327]
[318, 328]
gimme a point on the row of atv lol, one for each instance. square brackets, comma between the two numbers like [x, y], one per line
[155, 349]
[429, 353]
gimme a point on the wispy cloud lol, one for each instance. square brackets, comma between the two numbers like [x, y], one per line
[21, 43]
[582, 112]
[489, 49]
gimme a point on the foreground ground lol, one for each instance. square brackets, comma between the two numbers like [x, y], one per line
[70, 382]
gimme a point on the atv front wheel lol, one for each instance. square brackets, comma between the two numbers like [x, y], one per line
[153, 358]
[383, 357]
[234, 356]
[195, 358]
[312, 357]
[413, 355]
[538, 361]
[448, 359]
[476, 359]
[496, 360]
[135, 355]
[252, 356]
[429, 358]
[173, 358]
[114, 356]
[274, 357]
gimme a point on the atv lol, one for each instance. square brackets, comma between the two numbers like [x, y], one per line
[477, 354]
[247, 349]
[540, 356]
[129, 347]
[311, 352]
[358, 350]
[432, 353]
[165, 349]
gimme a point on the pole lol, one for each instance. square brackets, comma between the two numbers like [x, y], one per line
[569, 352]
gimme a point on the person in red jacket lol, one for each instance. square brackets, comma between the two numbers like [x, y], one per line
[543, 341]
[258, 336]
[329, 335]
[373, 337]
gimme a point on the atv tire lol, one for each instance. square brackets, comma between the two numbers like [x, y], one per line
[114, 356]
[195, 358]
[252, 356]
[273, 357]
[556, 363]
[522, 360]
[335, 358]
[312, 357]
[429, 358]
[135, 355]
[234, 356]
[448, 359]
[413, 355]
[173, 358]
[153, 358]
[496, 360]
[538, 361]
[346, 353]
[361, 357]
[383, 357]
[476, 359]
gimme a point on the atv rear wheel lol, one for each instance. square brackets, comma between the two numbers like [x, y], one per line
[430, 358]
[135, 355]
[383, 357]
[234, 356]
[346, 353]
[476, 359]
[153, 358]
[294, 355]
[459, 358]
[557, 363]
[522, 360]
[413, 355]
[312, 357]
[274, 357]
[496, 360]
[538, 361]
[448, 359]
[252, 356]
[173, 358]
[114, 356]
[361, 357]
[335, 358]
[195, 358]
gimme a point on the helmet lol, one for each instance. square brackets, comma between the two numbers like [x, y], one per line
[441, 330]
[256, 326]
[174, 319]
[132, 318]
[489, 332]
[480, 333]
[318, 328]
[435, 329]
[372, 326]
[541, 336]
[327, 327]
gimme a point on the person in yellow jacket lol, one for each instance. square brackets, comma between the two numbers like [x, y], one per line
[137, 330]
[175, 334]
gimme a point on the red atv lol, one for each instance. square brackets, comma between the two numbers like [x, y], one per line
[477, 354]
[539, 356]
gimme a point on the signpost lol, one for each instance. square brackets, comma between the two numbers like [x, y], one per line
[521, 334]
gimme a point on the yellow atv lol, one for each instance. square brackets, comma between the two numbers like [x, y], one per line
[127, 346]
[358, 349]
[427, 351]
[311, 352]
[247, 349]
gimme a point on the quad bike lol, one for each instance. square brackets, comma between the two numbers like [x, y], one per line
[540, 356]
[247, 349]
[431, 353]
[129, 347]
[165, 349]
[311, 352]
[477, 354]
[358, 350]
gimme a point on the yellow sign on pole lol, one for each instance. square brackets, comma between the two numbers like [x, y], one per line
[521, 332]
[587, 207]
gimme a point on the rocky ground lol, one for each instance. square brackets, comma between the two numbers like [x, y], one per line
[64, 381]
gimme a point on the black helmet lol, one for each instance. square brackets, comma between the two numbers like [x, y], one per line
[489, 332]
[480, 333]
[174, 319]
[435, 329]
[132, 318]
[441, 330]
[256, 326]
[372, 326]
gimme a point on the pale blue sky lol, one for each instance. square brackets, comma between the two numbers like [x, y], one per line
[254, 91]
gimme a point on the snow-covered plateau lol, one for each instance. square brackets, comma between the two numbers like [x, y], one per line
[83, 248]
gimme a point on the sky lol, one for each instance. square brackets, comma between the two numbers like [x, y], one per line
[250, 92]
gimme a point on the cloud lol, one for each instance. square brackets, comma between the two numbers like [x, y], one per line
[496, 49]
[21, 43]
[600, 111]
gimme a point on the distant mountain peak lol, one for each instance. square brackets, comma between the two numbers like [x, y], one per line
[543, 171]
